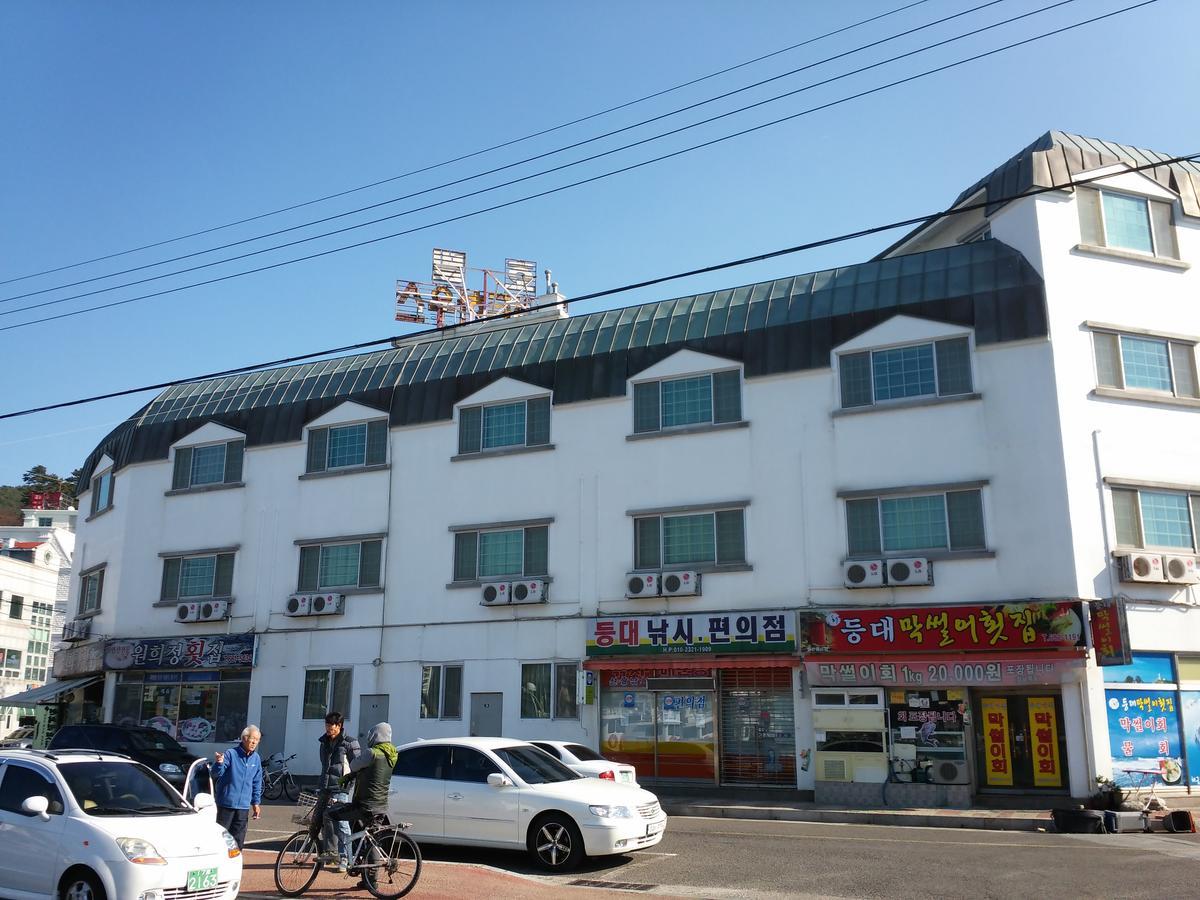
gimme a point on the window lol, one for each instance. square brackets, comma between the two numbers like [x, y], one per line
[1126, 222]
[1134, 362]
[850, 697]
[441, 692]
[423, 762]
[325, 689]
[952, 520]
[340, 565]
[45, 522]
[712, 398]
[196, 706]
[185, 577]
[91, 589]
[20, 783]
[1155, 518]
[16, 607]
[468, 764]
[520, 552]
[937, 369]
[347, 446]
[524, 423]
[713, 538]
[542, 681]
[102, 492]
[208, 464]
[12, 660]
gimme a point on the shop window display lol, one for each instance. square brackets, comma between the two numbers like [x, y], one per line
[199, 707]
[927, 727]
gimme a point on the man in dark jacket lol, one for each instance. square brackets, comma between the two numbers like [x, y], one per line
[372, 774]
[239, 778]
[338, 751]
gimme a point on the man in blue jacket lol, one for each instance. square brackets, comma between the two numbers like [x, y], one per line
[239, 779]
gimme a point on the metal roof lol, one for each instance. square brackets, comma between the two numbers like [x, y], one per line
[789, 324]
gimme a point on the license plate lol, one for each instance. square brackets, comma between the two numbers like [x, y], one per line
[201, 879]
[627, 776]
[654, 828]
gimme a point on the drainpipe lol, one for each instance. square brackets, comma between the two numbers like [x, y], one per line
[1112, 593]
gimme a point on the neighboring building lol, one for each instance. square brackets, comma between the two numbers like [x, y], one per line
[779, 533]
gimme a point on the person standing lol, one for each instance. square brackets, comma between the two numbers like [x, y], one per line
[338, 751]
[372, 775]
[238, 775]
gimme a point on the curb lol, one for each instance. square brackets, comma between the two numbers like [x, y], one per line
[855, 817]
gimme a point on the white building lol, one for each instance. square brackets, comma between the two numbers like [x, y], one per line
[982, 402]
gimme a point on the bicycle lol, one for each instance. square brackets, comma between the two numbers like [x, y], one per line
[278, 778]
[388, 860]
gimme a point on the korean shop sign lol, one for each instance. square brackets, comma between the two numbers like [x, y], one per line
[942, 670]
[1110, 633]
[997, 741]
[218, 651]
[765, 631]
[1008, 626]
[1043, 740]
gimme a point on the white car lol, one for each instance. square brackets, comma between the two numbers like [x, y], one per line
[587, 761]
[497, 792]
[89, 825]
[21, 739]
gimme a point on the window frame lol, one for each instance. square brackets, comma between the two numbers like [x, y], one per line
[944, 491]
[711, 422]
[232, 466]
[302, 587]
[472, 422]
[523, 527]
[441, 714]
[1117, 361]
[555, 686]
[1191, 501]
[16, 606]
[84, 606]
[1157, 238]
[102, 487]
[176, 561]
[936, 394]
[332, 700]
[376, 446]
[717, 563]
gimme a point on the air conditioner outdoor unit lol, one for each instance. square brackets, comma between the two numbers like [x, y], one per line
[187, 612]
[948, 771]
[1181, 569]
[1141, 567]
[532, 591]
[914, 570]
[862, 573]
[495, 594]
[213, 610]
[642, 584]
[679, 584]
[835, 768]
[77, 630]
[328, 604]
[298, 605]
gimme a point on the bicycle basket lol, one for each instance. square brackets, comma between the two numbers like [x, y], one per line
[305, 807]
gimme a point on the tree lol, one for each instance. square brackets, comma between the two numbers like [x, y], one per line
[38, 479]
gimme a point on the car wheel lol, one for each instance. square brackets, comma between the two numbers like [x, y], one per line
[555, 842]
[82, 886]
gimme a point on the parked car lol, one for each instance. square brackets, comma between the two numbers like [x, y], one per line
[498, 792]
[21, 739]
[101, 826]
[588, 762]
[155, 748]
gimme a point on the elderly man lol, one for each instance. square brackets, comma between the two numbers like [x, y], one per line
[238, 775]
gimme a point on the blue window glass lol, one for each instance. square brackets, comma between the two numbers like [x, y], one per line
[208, 464]
[1127, 222]
[687, 401]
[1165, 520]
[501, 553]
[903, 372]
[1146, 668]
[196, 576]
[347, 446]
[504, 426]
[339, 566]
[689, 539]
[913, 523]
[1146, 363]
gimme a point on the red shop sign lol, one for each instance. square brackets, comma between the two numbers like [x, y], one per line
[1005, 626]
[1110, 633]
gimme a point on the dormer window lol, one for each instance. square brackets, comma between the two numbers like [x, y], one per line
[102, 491]
[342, 447]
[669, 403]
[1128, 222]
[502, 426]
[930, 369]
[208, 464]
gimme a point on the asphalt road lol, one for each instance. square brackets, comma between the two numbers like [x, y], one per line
[724, 858]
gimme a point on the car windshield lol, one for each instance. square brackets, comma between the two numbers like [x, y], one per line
[153, 740]
[583, 754]
[119, 789]
[535, 766]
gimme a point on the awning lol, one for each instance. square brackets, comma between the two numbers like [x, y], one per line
[772, 661]
[47, 692]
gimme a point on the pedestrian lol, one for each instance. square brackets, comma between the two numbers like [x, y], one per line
[338, 751]
[372, 776]
[238, 775]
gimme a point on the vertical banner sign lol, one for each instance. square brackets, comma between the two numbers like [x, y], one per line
[1043, 721]
[997, 741]
[1110, 633]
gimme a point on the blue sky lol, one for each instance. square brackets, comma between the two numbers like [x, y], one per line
[128, 123]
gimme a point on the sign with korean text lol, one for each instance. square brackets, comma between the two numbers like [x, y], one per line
[767, 631]
[1043, 728]
[949, 629]
[1110, 633]
[637, 678]
[214, 651]
[933, 671]
[997, 741]
[1143, 736]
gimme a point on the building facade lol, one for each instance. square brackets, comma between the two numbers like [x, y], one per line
[802, 533]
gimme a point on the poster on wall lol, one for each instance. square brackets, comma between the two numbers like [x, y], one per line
[1043, 740]
[997, 741]
[1189, 702]
[1143, 735]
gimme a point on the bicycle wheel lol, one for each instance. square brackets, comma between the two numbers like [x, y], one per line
[393, 865]
[297, 865]
[272, 788]
[291, 788]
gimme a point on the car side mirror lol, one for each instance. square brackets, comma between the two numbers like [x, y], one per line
[36, 806]
[203, 801]
[496, 780]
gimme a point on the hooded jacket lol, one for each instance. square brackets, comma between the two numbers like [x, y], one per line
[372, 770]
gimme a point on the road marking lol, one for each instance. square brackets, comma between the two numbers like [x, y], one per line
[883, 840]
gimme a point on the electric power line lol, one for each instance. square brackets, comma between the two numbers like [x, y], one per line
[549, 171]
[608, 292]
[474, 153]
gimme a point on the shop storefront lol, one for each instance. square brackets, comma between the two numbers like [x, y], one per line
[698, 698]
[965, 696]
[196, 689]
